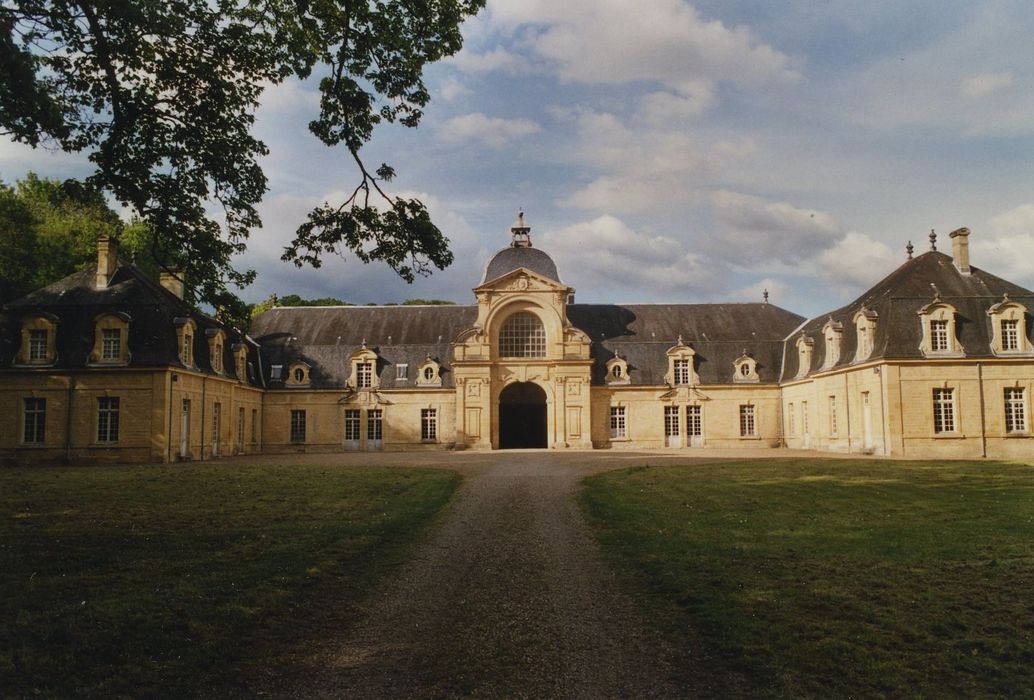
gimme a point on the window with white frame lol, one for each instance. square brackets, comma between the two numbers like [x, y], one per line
[832, 416]
[791, 427]
[429, 424]
[748, 426]
[1015, 410]
[111, 344]
[939, 336]
[35, 420]
[375, 425]
[401, 372]
[352, 425]
[522, 335]
[671, 421]
[694, 421]
[364, 375]
[1010, 334]
[107, 418]
[38, 345]
[943, 410]
[681, 371]
[618, 427]
[298, 425]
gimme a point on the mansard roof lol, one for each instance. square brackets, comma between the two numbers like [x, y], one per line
[897, 300]
[515, 257]
[76, 301]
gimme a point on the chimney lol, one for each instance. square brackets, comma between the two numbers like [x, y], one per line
[172, 280]
[960, 249]
[107, 260]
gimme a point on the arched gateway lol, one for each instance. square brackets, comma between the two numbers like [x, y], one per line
[522, 416]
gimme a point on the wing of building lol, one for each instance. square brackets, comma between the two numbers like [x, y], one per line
[108, 365]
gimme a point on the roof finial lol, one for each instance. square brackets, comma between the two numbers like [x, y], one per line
[764, 295]
[933, 240]
[909, 248]
[520, 232]
[680, 340]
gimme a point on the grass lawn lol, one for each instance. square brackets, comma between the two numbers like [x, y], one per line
[832, 578]
[186, 580]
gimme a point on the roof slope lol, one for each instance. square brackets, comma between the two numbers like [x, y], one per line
[897, 299]
[515, 257]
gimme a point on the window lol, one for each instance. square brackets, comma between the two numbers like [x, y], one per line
[38, 345]
[107, 419]
[374, 425]
[111, 344]
[299, 375]
[352, 425]
[671, 421]
[804, 418]
[428, 373]
[1015, 411]
[217, 415]
[791, 427]
[694, 424]
[364, 375]
[944, 410]
[276, 371]
[805, 345]
[187, 351]
[401, 372]
[298, 425]
[745, 370]
[254, 426]
[832, 416]
[615, 371]
[35, 411]
[681, 369]
[523, 335]
[939, 336]
[240, 429]
[618, 428]
[1010, 334]
[429, 424]
[747, 425]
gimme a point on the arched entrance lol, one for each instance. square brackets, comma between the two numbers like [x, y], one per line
[522, 416]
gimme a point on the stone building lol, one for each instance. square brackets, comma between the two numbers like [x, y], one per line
[107, 365]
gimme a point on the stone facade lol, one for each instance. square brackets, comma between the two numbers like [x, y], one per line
[936, 360]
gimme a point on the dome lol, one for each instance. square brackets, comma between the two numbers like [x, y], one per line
[510, 259]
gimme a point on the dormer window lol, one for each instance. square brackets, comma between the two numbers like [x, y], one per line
[216, 339]
[617, 371]
[364, 369]
[865, 331]
[185, 330]
[832, 333]
[298, 374]
[240, 361]
[110, 342]
[939, 331]
[1009, 328]
[681, 370]
[804, 349]
[429, 373]
[745, 369]
[364, 375]
[39, 333]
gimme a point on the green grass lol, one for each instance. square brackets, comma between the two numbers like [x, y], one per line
[832, 578]
[185, 579]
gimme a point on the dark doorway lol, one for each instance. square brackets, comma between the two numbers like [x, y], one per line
[522, 416]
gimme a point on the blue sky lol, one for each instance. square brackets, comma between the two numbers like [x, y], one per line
[674, 152]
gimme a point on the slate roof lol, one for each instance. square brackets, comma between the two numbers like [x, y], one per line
[152, 310]
[326, 337]
[514, 257]
[897, 300]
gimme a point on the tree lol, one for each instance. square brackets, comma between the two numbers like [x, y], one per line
[162, 97]
[17, 245]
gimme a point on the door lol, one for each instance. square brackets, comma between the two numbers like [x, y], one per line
[240, 430]
[374, 429]
[522, 417]
[866, 422]
[804, 424]
[217, 414]
[671, 426]
[185, 430]
[694, 426]
[352, 429]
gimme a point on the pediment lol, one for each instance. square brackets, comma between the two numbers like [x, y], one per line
[522, 280]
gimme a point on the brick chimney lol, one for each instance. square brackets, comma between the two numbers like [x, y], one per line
[172, 280]
[107, 260]
[960, 249]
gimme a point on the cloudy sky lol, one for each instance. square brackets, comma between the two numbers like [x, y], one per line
[673, 151]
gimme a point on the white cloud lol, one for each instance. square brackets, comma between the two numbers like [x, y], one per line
[606, 254]
[493, 132]
[1009, 248]
[755, 229]
[666, 107]
[498, 59]
[985, 84]
[856, 262]
[614, 42]
[756, 292]
[450, 89]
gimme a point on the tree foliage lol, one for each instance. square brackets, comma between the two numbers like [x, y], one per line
[162, 95]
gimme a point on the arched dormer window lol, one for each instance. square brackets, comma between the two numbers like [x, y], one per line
[240, 361]
[364, 369]
[429, 373]
[832, 335]
[185, 330]
[939, 337]
[804, 350]
[522, 335]
[110, 340]
[1009, 328]
[745, 370]
[39, 334]
[297, 374]
[617, 370]
[681, 365]
[216, 342]
[865, 331]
